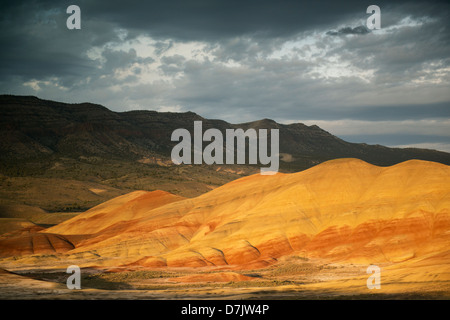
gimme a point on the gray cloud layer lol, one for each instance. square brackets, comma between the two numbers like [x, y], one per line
[238, 60]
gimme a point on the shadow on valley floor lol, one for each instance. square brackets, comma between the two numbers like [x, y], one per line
[150, 284]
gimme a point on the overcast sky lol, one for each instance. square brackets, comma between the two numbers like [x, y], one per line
[313, 62]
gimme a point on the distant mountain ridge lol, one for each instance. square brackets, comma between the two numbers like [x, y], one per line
[32, 128]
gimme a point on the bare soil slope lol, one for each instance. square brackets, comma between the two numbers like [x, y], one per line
[341, 210]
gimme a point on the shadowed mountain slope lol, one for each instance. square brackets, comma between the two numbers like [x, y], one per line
[33, 128]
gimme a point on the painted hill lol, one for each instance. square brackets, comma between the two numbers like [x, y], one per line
[341, 210]
[129, 207]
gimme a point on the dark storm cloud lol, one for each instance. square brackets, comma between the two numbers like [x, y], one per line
[214, 20]
[38, 43]
[247, 71]
[211, 20]
[349, 30]
[121, 59]
[402, 50]
[172, 65]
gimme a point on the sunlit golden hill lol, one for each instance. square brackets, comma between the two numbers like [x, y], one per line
[341, 210]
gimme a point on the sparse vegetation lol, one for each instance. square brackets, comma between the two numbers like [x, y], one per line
[295, 269]
[63, 184]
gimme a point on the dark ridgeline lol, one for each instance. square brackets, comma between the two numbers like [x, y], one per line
[33, 129]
